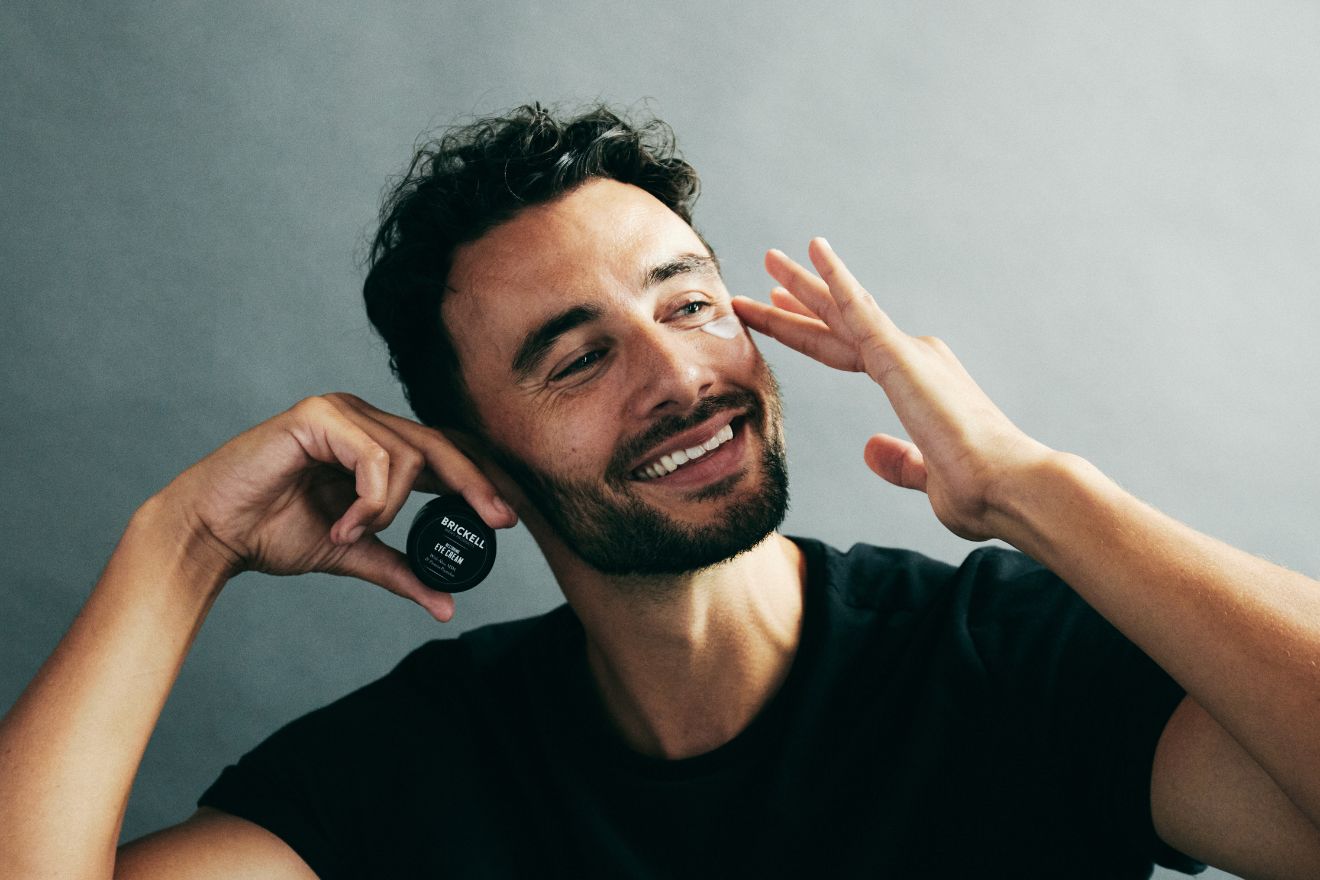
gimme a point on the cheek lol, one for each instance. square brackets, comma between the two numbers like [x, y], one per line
[728, 349]
[565, 447]
[738, 357]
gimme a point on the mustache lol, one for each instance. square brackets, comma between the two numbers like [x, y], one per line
[671, 426]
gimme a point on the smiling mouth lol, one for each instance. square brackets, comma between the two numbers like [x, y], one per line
[676, 459]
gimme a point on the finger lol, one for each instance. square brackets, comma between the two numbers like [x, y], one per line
[447, 467]
[372, 560]
[858, 309]
[810, 336]
[809, 289]
[328, 436]
[790, 303]
[897, 461]
[406, 462]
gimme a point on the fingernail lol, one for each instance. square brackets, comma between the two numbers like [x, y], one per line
[444, 611]
[352, 536]
[504, 508]
[825, 241]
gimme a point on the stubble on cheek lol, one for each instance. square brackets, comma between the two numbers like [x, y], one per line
[608, 523]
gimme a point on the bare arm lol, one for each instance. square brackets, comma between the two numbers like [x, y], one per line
[70, 746]
[304, 491]
[209, 846]
[1241, 635]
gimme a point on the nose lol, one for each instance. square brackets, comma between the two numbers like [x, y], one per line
[671, 372]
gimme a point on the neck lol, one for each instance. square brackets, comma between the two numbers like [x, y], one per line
[684, 663]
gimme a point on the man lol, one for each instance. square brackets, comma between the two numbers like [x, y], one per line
[715, 698]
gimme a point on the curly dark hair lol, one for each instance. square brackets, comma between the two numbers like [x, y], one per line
[463, 184]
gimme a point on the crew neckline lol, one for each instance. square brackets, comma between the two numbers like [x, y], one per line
[601, 740]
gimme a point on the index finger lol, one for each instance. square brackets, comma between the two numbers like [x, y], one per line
[808, 290]
[856, 306]
[810, 336]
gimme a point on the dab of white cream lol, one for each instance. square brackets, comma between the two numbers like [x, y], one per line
[724, 328]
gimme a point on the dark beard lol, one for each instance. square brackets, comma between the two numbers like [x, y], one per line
[619, 534]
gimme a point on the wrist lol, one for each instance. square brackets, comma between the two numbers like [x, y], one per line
[186, 549]
[1029, 505]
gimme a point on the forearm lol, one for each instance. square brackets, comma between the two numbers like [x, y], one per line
[1240, 634]
[71, 745]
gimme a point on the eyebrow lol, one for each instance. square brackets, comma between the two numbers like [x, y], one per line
[540, 339]
[538, 342]
[683, 264]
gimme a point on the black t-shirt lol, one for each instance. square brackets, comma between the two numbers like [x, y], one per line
[979, 720]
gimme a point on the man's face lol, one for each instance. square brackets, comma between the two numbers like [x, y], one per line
[578, 326]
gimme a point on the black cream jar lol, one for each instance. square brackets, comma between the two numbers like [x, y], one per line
[450, 548]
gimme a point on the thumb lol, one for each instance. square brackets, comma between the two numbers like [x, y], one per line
[898, 461]
[371, 559]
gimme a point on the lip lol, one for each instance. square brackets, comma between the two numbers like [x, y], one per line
[724, 462]
[687, 439]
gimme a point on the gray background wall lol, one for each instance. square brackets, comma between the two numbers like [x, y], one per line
[1109, 210]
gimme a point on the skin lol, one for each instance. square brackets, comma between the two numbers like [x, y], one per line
[1235, 780]
[682, 662]
[685, 668]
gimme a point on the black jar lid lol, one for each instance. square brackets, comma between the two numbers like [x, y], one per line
[450, 548]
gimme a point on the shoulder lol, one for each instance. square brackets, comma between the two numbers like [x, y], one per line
[509, 641]
[893, 579]
[868, 576]
[436, 687]
[436, 700]
[998, 609]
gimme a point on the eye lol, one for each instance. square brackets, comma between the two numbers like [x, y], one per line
[579, 364]
[696, 307]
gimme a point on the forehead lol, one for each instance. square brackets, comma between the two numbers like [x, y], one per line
[591, 244]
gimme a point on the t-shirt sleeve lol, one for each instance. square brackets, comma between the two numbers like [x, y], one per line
[299, 782]
[1080, 704]
[268, 786]
[317, 782]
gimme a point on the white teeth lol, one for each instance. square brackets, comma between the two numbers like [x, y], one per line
[671, 462]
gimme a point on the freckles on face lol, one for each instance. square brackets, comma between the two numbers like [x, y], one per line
[589, 249]
[595, 433]
[565, 431]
